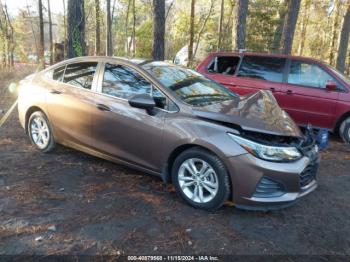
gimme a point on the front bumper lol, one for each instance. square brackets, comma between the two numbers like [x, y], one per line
[264, 185]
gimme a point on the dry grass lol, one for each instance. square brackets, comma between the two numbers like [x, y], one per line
[6, 141]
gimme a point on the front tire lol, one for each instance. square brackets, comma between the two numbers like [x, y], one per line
[344, 130]
[40, 132]
[201, 179]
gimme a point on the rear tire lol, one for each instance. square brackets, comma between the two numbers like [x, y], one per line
[40, 132]
[201, 179]
[344, 130]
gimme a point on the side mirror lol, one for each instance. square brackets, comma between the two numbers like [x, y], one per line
[331, 85]
[142, 101]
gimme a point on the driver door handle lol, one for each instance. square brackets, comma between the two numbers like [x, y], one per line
[103, 107]
[289, 92]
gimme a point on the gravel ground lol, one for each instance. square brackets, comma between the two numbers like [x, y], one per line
[67, 202]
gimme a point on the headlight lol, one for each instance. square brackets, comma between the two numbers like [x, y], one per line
[270, 153]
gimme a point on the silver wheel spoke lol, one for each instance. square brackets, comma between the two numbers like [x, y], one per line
[38, 138]
[35, 129]
[209, 189]
[195, 193]
[185, 185]
[37, 122]
[185, 178]
[203, 168]
[210, 184]
[208, 172]
[193, 166]
[200, 191]
[188, 168]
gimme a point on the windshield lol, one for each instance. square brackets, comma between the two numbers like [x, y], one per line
[190, 86]
[339, 74]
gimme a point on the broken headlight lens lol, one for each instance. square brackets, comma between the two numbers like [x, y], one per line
[265, 152]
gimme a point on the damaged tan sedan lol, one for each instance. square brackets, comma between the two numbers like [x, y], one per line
[211, 144]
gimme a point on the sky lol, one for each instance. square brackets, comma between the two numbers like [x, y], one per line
[14, 5]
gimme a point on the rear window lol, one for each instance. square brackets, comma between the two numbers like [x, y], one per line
[264, 68]
[80, 74]
[58, 73]
[225, 65]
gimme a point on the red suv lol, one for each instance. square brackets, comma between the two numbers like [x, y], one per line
[309, 90]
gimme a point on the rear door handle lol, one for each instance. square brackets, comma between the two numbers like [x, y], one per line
[289, 92]
[103, 107]
[55, 92]
[273, 89]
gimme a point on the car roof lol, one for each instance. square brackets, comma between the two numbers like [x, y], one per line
[134, 61]
[227, 53]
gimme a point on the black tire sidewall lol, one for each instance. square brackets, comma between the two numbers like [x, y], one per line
[51, 143]
[221, 172]
[345, 133]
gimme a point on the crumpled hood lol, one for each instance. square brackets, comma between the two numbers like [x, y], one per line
[258, 112]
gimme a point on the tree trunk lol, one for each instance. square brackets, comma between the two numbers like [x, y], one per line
[33, 32]
[226, 41]
[65, 29]
[97, 28]
[41, 33]
[304, 24]
[278, 32]
[50, 31]
[158, 29]
[190, 46]
[133, 29]
[10, 40]
[76, 28]
[334, 33]
[220, 24]
[126, 29]
[109, 41]
[289, 26]
[344, 42]
[202, 28]
[240, 25]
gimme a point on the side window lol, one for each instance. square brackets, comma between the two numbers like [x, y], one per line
[80, 74]
[264, 68]
[124, 82]
[306, 74]
[58, 73]
[225, 65]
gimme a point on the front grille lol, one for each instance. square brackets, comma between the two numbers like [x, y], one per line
[268, 188]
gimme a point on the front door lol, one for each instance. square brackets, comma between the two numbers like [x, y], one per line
[128, 133]
[306, 98]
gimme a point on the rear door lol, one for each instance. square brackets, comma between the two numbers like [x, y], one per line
[128, 133]
[306, 98]
[260, 73]
[71, 101]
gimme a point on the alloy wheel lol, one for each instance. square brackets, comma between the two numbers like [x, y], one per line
[198, 180]
[40, 132]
